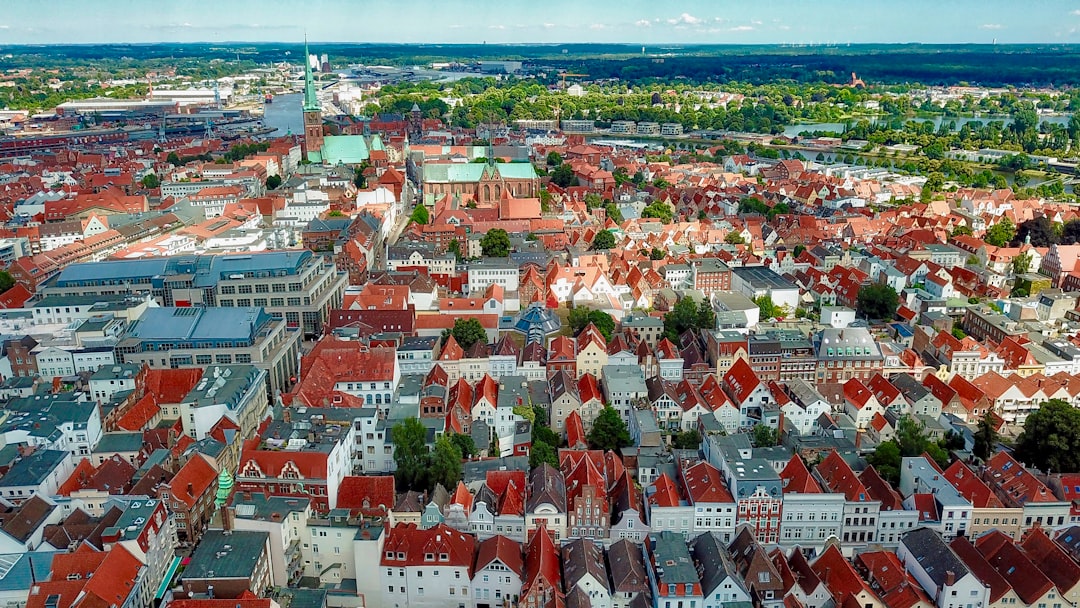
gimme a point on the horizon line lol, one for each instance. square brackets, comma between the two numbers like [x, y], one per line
[526, 44]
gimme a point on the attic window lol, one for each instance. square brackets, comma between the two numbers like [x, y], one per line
[444, 557]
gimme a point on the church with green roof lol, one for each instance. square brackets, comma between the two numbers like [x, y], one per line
[330, 149]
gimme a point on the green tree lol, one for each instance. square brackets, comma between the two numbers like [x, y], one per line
[151, 181]
[563, 176]
[272, 182]
[444, 465]
[878, 301]
[6, 281]
[1000, 233]
[173, 159]
[659, 210]
[455, 248]
[359, 179]
[554, 159]
[466, 332]
[1050, 440]
[798, 249]
[769, 310]
[544, 434]
[657, 254]
[706, 316]
[886, 460]
[763, 436]
[541, 453]
[961, 231]
[613, 212]
[410, 453]
[1021, 263]
[609, 432]
[683, 316]
[420, 215]
[496, 243]
[603, 241]
[986, 437]
[464, 444]
[734, 238]
[603, 322]
[686, 440]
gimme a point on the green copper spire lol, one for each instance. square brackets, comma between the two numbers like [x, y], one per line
[225, 485]
[311, 101]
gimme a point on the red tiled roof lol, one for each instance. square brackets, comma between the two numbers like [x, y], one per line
[741, 380]
[417, 544]
[705, 485]
[838, 476]
[139, 415]
[898, 589]
[1051, 560]
[839, 576]
[171, 385]
[981, 568]
[500, 548]
[198, 475]
[666, 493]
[971, 487]
[372, 496]
[797, 478]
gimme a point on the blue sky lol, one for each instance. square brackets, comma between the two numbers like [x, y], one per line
[520, 21]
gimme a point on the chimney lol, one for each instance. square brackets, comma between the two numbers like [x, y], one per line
[190, 489]
[858, 438]
[287, 415]
[950, 578]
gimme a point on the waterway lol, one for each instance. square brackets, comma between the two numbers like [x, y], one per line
[838, 127]
[285, 115]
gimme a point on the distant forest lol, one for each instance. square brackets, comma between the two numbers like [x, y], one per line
[989, 65]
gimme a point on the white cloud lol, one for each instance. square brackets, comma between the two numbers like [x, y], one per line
[756, 22]
[685, 19]
[643, 23]
[5, 27]
[783, 27]
[741, 28]
[597, 26]
[1076, 12]
[548, 26]
[990, 26]
[496, 27]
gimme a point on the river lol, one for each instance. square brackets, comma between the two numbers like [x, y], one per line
[838, 127]
[286, 115]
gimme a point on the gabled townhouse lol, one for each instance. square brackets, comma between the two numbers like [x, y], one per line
[542, 586]
[546, 502]
[726, 413]
[497, 575]
[1055, 563]
[804, 405]
[922, 480]
[624, 386]
[673, 577]
[431, 567]
[918, 399]
[668, 509]
[843, 582]
[591, 351]
[1017, 487]
[811, 516]
[563, 391]
[861, 511]
[889, 581]
[987, 511]
[860, 403]
[587, 505]
[800, 581]
[628, 511]
[721, 582]
[1030, 584]
[714, 507]
[999, 593]
[629, 577]
[893, 519]
[939, 571]
[748, 392]
[585, 572]
[758, 574]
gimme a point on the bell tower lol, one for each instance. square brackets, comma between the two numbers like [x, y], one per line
[313, 132]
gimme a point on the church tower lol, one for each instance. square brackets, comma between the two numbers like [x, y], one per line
[313, 131]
